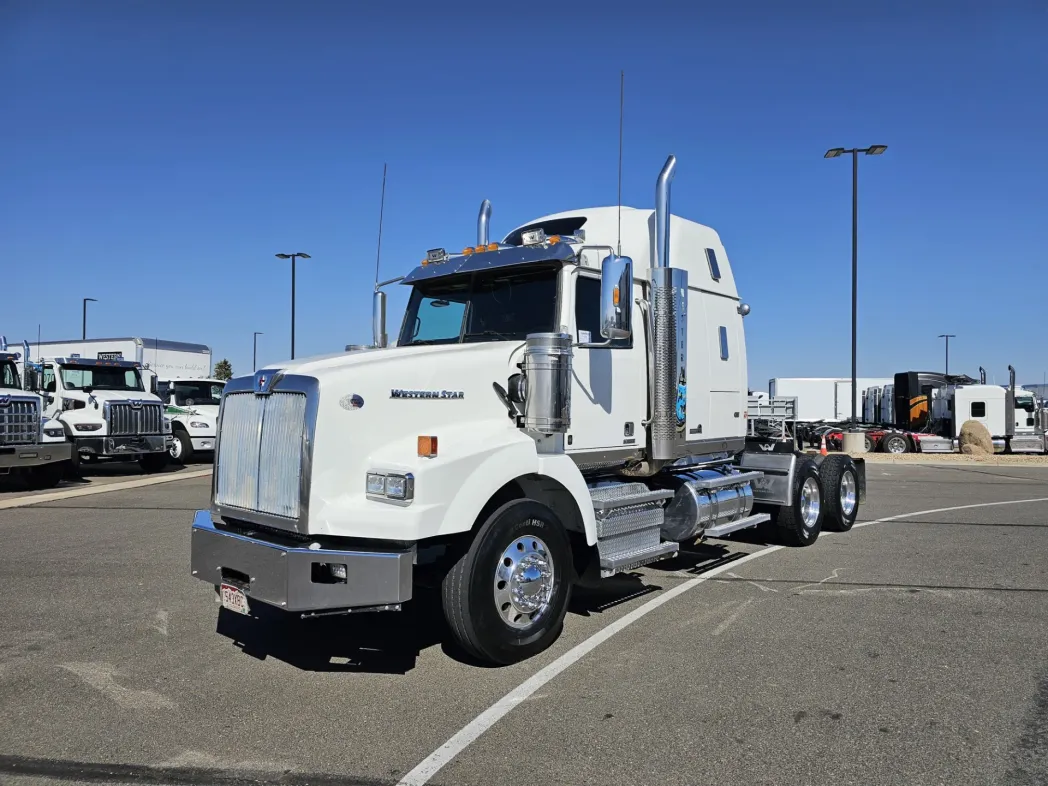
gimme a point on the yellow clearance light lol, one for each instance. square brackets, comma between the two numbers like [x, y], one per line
[554, 238]
[493, 246]
[467, 251]
[427, 447]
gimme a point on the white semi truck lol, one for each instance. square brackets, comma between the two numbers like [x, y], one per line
[192, 405]
[106, 408]
[545, 418]
[31, 445]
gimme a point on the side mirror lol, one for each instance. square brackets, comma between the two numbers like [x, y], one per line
[152, 385]
[30, 380]
[616, 297]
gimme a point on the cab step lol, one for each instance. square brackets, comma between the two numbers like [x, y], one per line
[734, 526]
[629, 525]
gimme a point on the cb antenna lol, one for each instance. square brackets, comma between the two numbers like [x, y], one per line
[622, 97]
[381, 210]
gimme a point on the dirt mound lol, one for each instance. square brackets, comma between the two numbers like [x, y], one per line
[975, 439]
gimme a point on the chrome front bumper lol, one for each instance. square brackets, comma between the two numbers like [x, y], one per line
[284, 576]
[122, 446]
[34, 455]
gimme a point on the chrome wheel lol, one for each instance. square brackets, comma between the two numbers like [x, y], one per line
[810, 502]
[524, 582]
[849, 494]
[175, 449]
[895, 444]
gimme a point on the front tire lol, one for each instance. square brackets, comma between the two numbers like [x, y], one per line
[505, 599]
[181, 449]
[46, 476]
[153, 462]
[799, 523]
[840, 482]
[895, 443]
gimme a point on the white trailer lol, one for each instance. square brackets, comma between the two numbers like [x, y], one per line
[164, 358]
[823, 398]
[31, 445]
[546, 418]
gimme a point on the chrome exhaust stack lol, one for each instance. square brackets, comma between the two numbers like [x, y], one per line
[378, 318]
[982, 375]
[483, 222]
[669, 323]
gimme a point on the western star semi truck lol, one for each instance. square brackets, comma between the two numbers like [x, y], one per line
[547, 417]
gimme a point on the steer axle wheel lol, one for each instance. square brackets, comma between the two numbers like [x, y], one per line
[505, 599]
[153, 462]
[181, 447]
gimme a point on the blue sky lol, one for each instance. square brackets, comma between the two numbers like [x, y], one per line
[157, 155]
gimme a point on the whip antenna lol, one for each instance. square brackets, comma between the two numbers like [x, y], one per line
[622, 97]
[381, 210]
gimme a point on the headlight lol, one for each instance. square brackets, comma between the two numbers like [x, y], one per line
[167, 425]
[54, 432]
[391, 486]
[87, 426]
[198, 424]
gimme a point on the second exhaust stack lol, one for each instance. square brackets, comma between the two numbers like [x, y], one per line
[669, 310]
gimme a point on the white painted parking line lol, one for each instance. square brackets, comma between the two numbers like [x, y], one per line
[123, 485]
[443, 755]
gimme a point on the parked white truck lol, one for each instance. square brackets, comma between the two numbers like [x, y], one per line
[192, 405]
[546, 417]
[107, 409]
[165, 358]
[31, 445]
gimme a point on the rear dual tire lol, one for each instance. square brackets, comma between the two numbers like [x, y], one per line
[840, 484]
[800, 522]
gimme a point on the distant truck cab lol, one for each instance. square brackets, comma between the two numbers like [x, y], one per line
[192, 405]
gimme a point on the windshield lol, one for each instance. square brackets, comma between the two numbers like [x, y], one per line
[504, 305]
[101, 378]
[187, 394]
[8, 375]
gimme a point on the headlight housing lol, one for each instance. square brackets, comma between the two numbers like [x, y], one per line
[167, 425]
[87, 426]
[54, 431]
[391, 487]
[198, 424]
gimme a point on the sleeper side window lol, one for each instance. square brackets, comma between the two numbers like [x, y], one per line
[978, 409]
[587, 314]
[711, 257]
[724, 343]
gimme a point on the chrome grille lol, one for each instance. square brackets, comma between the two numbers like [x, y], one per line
[19, 421]
[126, 418]
[259, 461]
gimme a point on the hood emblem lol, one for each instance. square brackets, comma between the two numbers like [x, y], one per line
[4, 401]
[351, 402]
[265, 381]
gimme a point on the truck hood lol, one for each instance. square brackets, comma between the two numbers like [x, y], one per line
[374, 404]
[102, 396]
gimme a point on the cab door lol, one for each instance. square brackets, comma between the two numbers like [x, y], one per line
[609, 387]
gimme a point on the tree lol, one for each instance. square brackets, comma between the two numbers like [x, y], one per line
[223, 369]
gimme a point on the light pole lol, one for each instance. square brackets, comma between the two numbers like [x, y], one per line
[83, 334]
[254, 351]
[872, 150]
[947, 336]
[293, 257]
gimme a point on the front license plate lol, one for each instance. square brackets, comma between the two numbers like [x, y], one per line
[234, 599]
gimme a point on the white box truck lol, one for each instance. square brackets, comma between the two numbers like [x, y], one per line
[546, 417]
[164, 358]
[823, 398]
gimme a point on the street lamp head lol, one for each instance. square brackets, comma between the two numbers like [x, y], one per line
[876, 150]
[300, 255]
[834, 152]
[283, 256]
[91, 299]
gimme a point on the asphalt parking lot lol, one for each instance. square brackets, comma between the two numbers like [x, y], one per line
[909, 651]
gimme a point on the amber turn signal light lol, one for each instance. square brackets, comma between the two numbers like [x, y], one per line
[427, 447]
